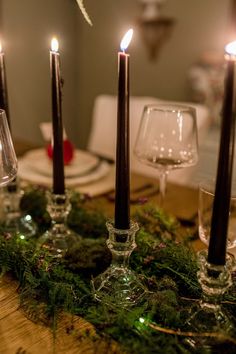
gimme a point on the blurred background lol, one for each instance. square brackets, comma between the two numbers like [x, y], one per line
[89, 55]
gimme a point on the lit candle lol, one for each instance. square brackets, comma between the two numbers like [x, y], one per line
[221, 205]
[58, 164]
[122, 195]
[3, 86]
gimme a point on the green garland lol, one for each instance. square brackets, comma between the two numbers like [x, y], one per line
[167, 267]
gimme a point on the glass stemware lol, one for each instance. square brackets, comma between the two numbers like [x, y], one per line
[15, 221]
[208, 316]
[167, 139]
[206, 198]
[8, 160]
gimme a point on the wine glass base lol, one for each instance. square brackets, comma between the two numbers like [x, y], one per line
[211, 324]
[57, 240]
[118, 286]
[208, 319]
[21, 226]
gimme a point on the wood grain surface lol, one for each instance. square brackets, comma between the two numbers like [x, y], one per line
[19, 335]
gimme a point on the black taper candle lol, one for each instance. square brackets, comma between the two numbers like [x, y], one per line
[57, 125]
[3, 87]
[122, 195]
[221, 204]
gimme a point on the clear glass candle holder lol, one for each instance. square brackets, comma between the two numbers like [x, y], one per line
[59, 238]
[119, 285]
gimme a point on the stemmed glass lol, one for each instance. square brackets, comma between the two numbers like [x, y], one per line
[8, 160]
[208, 315]
[167, 139]
[205, 207]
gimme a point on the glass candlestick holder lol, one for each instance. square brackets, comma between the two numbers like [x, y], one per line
[15, 222]
[208, 315]
[119, 285]
[59, 238]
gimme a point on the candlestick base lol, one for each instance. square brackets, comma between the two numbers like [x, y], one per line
[119, 286]
[15, 222]
[59, 238]
[208, 316]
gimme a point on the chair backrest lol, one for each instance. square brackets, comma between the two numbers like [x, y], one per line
[102, 140]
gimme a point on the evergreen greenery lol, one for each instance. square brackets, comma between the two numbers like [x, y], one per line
[166, 266]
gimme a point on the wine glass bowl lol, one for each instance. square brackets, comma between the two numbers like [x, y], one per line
[167, 139]
[8, 160]
[206, 199]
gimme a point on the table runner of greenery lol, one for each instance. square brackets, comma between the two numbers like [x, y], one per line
[167, 267]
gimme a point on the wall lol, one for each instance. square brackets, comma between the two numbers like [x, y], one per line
[201, 25]
[28, 26]
[89, 55]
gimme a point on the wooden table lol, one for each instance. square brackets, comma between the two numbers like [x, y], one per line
[21, 336]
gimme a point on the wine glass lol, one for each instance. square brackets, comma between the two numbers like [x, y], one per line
[208, 314]
[205, 207]
[13, 222]
[8, 160]
[167, 139]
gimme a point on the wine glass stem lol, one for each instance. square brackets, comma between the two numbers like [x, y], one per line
[162, 180]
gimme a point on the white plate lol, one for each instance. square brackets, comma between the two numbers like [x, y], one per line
[81, 164]
[28, 172]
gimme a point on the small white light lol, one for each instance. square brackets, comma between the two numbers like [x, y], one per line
[54, 45]
[28, 217]
[126, 39]
[141, 320]
[22, 237]
[230, 48]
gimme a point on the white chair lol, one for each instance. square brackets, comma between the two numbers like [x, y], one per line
[102, 140]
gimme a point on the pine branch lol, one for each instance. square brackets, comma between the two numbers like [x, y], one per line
[84, 12]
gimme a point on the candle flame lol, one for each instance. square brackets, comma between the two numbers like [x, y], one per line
[230, 48]
[126, 39]
[54, 45]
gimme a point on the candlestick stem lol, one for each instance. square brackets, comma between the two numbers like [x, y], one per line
[119, 285]
[59, 237]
